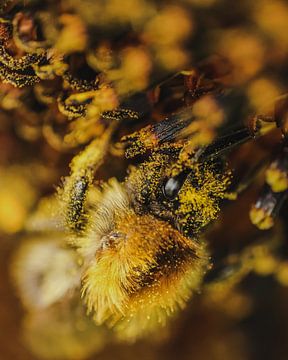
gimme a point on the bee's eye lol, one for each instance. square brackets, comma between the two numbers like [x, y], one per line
[171, 188]
[173, 185]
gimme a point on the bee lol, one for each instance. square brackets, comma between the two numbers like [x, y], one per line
[140, 244]
[140, 240]
[118, 257]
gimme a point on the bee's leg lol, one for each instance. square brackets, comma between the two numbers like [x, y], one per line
[260, 258]
[274, 192]
[277, 172]
[76, 186]
[226, 271]
[262, 255]
[267, 207]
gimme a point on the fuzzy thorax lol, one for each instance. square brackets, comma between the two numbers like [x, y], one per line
[138, 269]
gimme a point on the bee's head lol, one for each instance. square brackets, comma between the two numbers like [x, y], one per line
[188, 200]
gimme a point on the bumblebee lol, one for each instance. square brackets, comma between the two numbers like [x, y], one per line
[140, 240]
[137, 246]
[151, 225]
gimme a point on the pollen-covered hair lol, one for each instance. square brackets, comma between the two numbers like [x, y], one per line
[137, 269]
